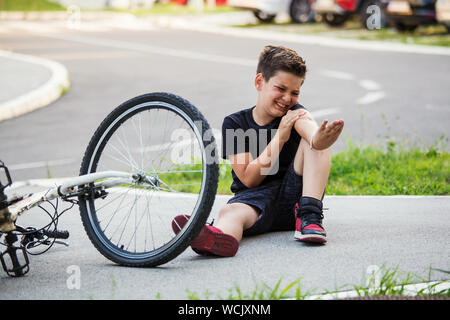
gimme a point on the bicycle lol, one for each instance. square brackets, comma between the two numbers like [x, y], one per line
[129, 188]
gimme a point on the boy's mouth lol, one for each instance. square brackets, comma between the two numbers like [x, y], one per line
[281, 106]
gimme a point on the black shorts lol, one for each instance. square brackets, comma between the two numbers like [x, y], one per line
[275, 201]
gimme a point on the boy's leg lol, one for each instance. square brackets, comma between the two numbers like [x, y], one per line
[234, 218]
[314, 166]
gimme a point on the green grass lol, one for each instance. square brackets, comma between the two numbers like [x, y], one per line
[390, 283]
[262, 292]
[379, 170]
[390, 170]
[435, 35]
[29, 5]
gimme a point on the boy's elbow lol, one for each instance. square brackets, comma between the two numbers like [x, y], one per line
[249, 184]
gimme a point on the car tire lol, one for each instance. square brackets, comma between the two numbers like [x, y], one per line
[334, 20]
[300, 11]
[401, 27]
[264, 17]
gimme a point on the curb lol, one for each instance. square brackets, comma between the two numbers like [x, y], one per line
[372, 45]
[409, 290]
[189, 23]
[57, 15]
[47, 93]
[52, 182]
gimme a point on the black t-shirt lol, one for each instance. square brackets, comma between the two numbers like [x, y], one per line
[240, 133]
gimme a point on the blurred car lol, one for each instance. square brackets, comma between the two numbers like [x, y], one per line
[443, 13]
[407, 15]
[266, 10]
[337, 12]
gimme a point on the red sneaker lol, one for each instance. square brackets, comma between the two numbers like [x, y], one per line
[308, 227]
[210, 241]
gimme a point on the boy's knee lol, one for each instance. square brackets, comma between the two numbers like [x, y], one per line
[239, 212]
[224, 211]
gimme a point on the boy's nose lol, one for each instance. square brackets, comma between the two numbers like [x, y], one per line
[286, 98]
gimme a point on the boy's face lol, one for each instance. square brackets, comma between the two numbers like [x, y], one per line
[279, 94]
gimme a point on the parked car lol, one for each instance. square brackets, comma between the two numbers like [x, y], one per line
[407, 15]
[443, 13]
[266, 10]
[337, 12]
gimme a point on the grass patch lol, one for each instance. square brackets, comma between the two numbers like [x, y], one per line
[392, 170]
[261, 292]
[390, 282]
[30, 5]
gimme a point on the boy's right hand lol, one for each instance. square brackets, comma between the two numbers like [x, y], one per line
[286, 123]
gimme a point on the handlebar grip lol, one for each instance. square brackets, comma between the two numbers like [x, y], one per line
[57, 234]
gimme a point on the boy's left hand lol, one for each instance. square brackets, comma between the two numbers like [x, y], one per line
[326, 135]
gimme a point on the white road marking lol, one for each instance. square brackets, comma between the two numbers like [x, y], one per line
[28, 26]
[62, 26]
[337, 74]
[369, 84]
[371, 97]
[366, 84]
[41, 164]
[90, 55]
[156, 50]
[325, 112]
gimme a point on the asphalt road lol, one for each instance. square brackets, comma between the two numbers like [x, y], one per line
[377, 93]
[363, 232]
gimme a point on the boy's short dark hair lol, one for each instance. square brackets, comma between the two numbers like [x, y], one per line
[279, 58]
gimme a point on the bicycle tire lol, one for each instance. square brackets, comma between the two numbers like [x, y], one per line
[178, 243]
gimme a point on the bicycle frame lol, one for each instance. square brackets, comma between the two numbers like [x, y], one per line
[69, 188]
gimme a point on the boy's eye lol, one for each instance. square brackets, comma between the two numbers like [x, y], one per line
[281, 89]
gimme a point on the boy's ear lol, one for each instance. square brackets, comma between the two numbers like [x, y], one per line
[258, 81]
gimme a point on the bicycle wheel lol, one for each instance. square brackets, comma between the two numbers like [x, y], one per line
[166, 141]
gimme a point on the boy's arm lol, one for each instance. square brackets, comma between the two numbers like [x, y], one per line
[251, 172]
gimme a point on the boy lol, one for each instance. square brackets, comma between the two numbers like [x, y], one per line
[280, 159]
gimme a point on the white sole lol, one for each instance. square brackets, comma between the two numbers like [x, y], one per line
[309, 237]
